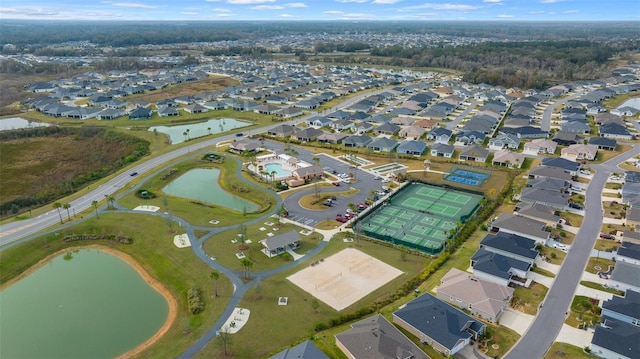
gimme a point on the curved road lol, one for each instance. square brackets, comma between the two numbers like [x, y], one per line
[547, 324]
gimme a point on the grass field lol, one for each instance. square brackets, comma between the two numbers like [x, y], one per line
[527, 300]
[566, 351]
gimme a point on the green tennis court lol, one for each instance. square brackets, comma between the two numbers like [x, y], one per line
[420, 216]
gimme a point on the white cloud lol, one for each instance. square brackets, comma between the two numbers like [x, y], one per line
[224, 15]
[357, 17]
[569, 12]
[504, 16]
[133, 5]
[267, 7]
[296, 4]
[249, 2]
[386, 2]
[286, 15]
[492, 1]
[536, 12]
[446, 6]
[333, 12]
[188, 13]
[358, 1]
[220, 9]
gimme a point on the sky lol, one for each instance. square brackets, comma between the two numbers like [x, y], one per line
[300, 10]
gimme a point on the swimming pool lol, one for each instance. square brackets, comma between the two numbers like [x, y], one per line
[277, 167]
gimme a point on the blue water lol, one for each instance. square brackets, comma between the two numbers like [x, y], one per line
[277, 167]
[463, 180]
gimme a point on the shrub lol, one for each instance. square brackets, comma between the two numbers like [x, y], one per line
[194, 301]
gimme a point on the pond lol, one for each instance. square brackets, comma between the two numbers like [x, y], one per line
[14, 123]
[85, 304]
[201, 184]
[176, 133]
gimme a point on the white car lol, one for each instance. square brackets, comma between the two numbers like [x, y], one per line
[386, 180]
[561, 246]
[585, 172]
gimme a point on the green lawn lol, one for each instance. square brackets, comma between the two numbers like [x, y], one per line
[601, 263]
[543, 272]
[272, 327]
[177, 269]
[599, 286]
[583, 311]
[527, 300]
[566, 351]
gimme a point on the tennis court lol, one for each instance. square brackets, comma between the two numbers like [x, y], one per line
[420, 216]
[467, 175]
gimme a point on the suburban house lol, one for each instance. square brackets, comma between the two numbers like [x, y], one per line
[388, 129]
[579, 152]
[282, 131]
[474, 153]
[550, 172]
[626, 274]
[411, 132]
[540, 146]
[438, 324]
[504, 141]
[276, 245]
[566, 165]
[244, 146]
[308, 172]
[504, 258]
[382, 144]
[306, 134]
[168, 112]
[482, 298]
[603, 143]
[539, 212]
[140, 113]
[521, 226]
[506, 158]
[618, 335]
[614, 130]
[566, 138]
[440, 135]
[333, 138]
[442, 150]
[470, 137]
[304, 350]
[356, 141]
[547, 197]
[412, 147]
[376, 337]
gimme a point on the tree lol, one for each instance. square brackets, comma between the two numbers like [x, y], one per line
[110, 199]
[94, 203]
[215, 275]
[187, 131]
[316, 160]
[67, 206]
[246, 265]
[209, 130]
[185, 135]
[58, 205]
[224, 338]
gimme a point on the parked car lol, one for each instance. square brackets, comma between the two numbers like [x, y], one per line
[576, 206]
[585, 172]
[386, 180]
[348, 215]
[607, 236]
[560, 246]
[337, 184]
[341, 219]
[362, 205]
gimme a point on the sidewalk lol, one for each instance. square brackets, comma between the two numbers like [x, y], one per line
[516, 321]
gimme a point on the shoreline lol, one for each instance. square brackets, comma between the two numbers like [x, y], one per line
[156, 285]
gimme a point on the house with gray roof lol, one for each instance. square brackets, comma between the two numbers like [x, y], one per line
[343, 125]
[625, 275]
[504, 141]
[506, 158]
[382, 144]
[500, 269]
[626, 309]
[526, 132]
[566, 165]
[168, 112]
[539, 212]
[279, 244]
[411, 132]
[608, 144]
[304, 350]
[550, 172]
[440, 135]
[468, 137]
[281, 131]
[482, 298]
[376, 337]
[474, 153]
[356, 141]
[616, 339]
[388, 129]
[332, 137]
[289, 112]
[442, 150]
[307, 134]
[438, 324]
[110, 114]
[551, 198]
[140, 113]
[614, 130]
[521, 226]
[412, 147]
[511, 245]
[567, 138]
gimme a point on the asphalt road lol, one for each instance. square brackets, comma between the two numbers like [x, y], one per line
[547, 324]
[545, 125]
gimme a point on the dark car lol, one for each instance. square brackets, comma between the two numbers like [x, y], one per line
[239, 134]
[576, 206]
[133, 174]
[337, 184]
[607, 236]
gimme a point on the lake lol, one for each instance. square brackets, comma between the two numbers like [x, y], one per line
[176, 133]
[14, 123]
[201, 184]
[85, 304]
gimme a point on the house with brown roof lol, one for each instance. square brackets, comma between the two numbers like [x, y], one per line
[579, 152]
[506, 158]
[482, 298]
[540, 146]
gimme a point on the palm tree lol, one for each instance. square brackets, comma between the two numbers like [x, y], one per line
[67, 206]
[246, 265]
[209, 129]
[110, 199]
[316, 160]
[58, 205]
[273, 177]
[94, 203]
[185, 135]
[215, 275]
[188, 138]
